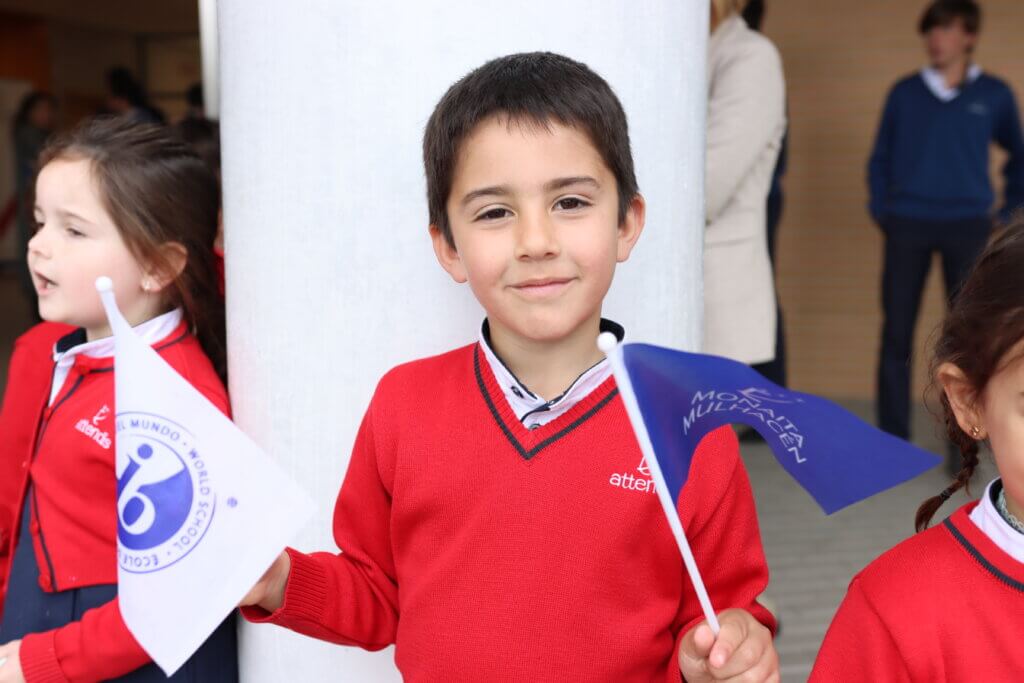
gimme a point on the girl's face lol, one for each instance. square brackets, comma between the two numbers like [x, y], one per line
[1001, 417]
[76, 242]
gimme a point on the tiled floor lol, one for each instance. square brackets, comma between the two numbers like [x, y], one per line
[812, 557]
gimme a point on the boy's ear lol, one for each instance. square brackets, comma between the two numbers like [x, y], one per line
[631, 227]
[962, 398]
[447, 255]
[173, 258]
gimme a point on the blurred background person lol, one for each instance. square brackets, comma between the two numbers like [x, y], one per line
[127, 97]
[745, 124]
[775, 369]
[929, 184]
[33, 124]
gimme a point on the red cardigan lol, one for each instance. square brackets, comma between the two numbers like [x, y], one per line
[71, 468]
[944, 605]
[489, 552]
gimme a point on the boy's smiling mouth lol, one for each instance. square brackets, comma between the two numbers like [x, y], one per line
[540, 288]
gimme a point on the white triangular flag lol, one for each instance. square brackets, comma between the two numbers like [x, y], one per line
[202, 510]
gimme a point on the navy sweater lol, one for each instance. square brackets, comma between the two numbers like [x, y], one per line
[931, 158]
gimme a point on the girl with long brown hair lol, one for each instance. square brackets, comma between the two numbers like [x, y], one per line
[132, 202]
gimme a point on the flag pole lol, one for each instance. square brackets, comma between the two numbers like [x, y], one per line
[613, 350]
[105, 287]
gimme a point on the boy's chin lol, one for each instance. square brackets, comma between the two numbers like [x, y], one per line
[552, 327]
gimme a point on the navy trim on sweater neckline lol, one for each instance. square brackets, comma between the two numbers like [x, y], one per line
[981, 559]
[528, 453]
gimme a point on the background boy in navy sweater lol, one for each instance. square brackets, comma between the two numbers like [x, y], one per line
[929, 183]
[483, 525]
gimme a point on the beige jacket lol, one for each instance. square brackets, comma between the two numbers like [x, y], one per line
[746, 121]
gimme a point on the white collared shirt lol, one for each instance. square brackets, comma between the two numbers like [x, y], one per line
[533, 410]
[936, 82]
[987, 518]
[151, 331]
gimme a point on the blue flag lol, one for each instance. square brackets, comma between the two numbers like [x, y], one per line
[835, 456]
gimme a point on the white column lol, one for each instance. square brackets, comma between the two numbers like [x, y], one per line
[330, 275]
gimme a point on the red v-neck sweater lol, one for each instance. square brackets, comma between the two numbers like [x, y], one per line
[944, 605]
[489, 552]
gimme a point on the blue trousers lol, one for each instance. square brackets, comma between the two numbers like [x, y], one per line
[909, 247]
[29, 609]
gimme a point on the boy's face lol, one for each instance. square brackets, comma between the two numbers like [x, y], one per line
[534, 218]
[948, 44]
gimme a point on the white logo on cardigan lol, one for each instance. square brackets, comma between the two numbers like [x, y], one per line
[91, 430]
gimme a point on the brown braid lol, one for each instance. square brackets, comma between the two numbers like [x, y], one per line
[968, 451]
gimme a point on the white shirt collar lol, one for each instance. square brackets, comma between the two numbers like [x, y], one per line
[532, 410]
[987, 518]
[936, 82]
[151, 331]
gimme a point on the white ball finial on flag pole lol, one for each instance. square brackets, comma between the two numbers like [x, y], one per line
[607, 342]
[104, 284]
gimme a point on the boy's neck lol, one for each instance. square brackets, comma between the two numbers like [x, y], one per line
[955, 72]
[547, 367]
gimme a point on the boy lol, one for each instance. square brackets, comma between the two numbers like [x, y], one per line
[481, 526]
[929, 184]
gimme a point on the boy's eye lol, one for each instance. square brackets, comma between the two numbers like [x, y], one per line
[571, 203]
[494, 214]
[37, 225]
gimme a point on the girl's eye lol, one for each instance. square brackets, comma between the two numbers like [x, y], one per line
[493, 214]
[37, 225]
[75, 233]
[571, 203]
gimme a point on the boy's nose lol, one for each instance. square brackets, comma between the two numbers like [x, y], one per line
[536, 238]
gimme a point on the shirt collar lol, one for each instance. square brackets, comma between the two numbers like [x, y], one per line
[936, 82]
[531, 409]
[73, 345]
[987, 518]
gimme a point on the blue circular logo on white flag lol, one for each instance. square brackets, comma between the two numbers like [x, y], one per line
[165, 500]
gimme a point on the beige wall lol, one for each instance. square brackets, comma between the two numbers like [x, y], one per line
[841, 57]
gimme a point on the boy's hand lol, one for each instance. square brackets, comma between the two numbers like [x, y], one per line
[10, 669]
[268, 592]
[742, 652]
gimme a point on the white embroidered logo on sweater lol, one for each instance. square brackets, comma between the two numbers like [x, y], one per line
[632, 482]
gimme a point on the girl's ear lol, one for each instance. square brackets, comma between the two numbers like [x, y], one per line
[173, 258]
[962, 399]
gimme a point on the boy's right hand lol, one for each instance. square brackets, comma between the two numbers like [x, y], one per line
[268, 593]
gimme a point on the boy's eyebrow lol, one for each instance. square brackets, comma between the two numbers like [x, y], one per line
[559, 183]
[495, 190]
[550, 186]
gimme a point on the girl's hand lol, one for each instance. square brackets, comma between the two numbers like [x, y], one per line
[268, 592]
[742, 652]
[10, 670]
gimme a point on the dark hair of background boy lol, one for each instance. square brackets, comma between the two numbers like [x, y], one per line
[945, 12]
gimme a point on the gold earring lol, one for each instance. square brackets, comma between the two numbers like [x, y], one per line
[976, 432]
